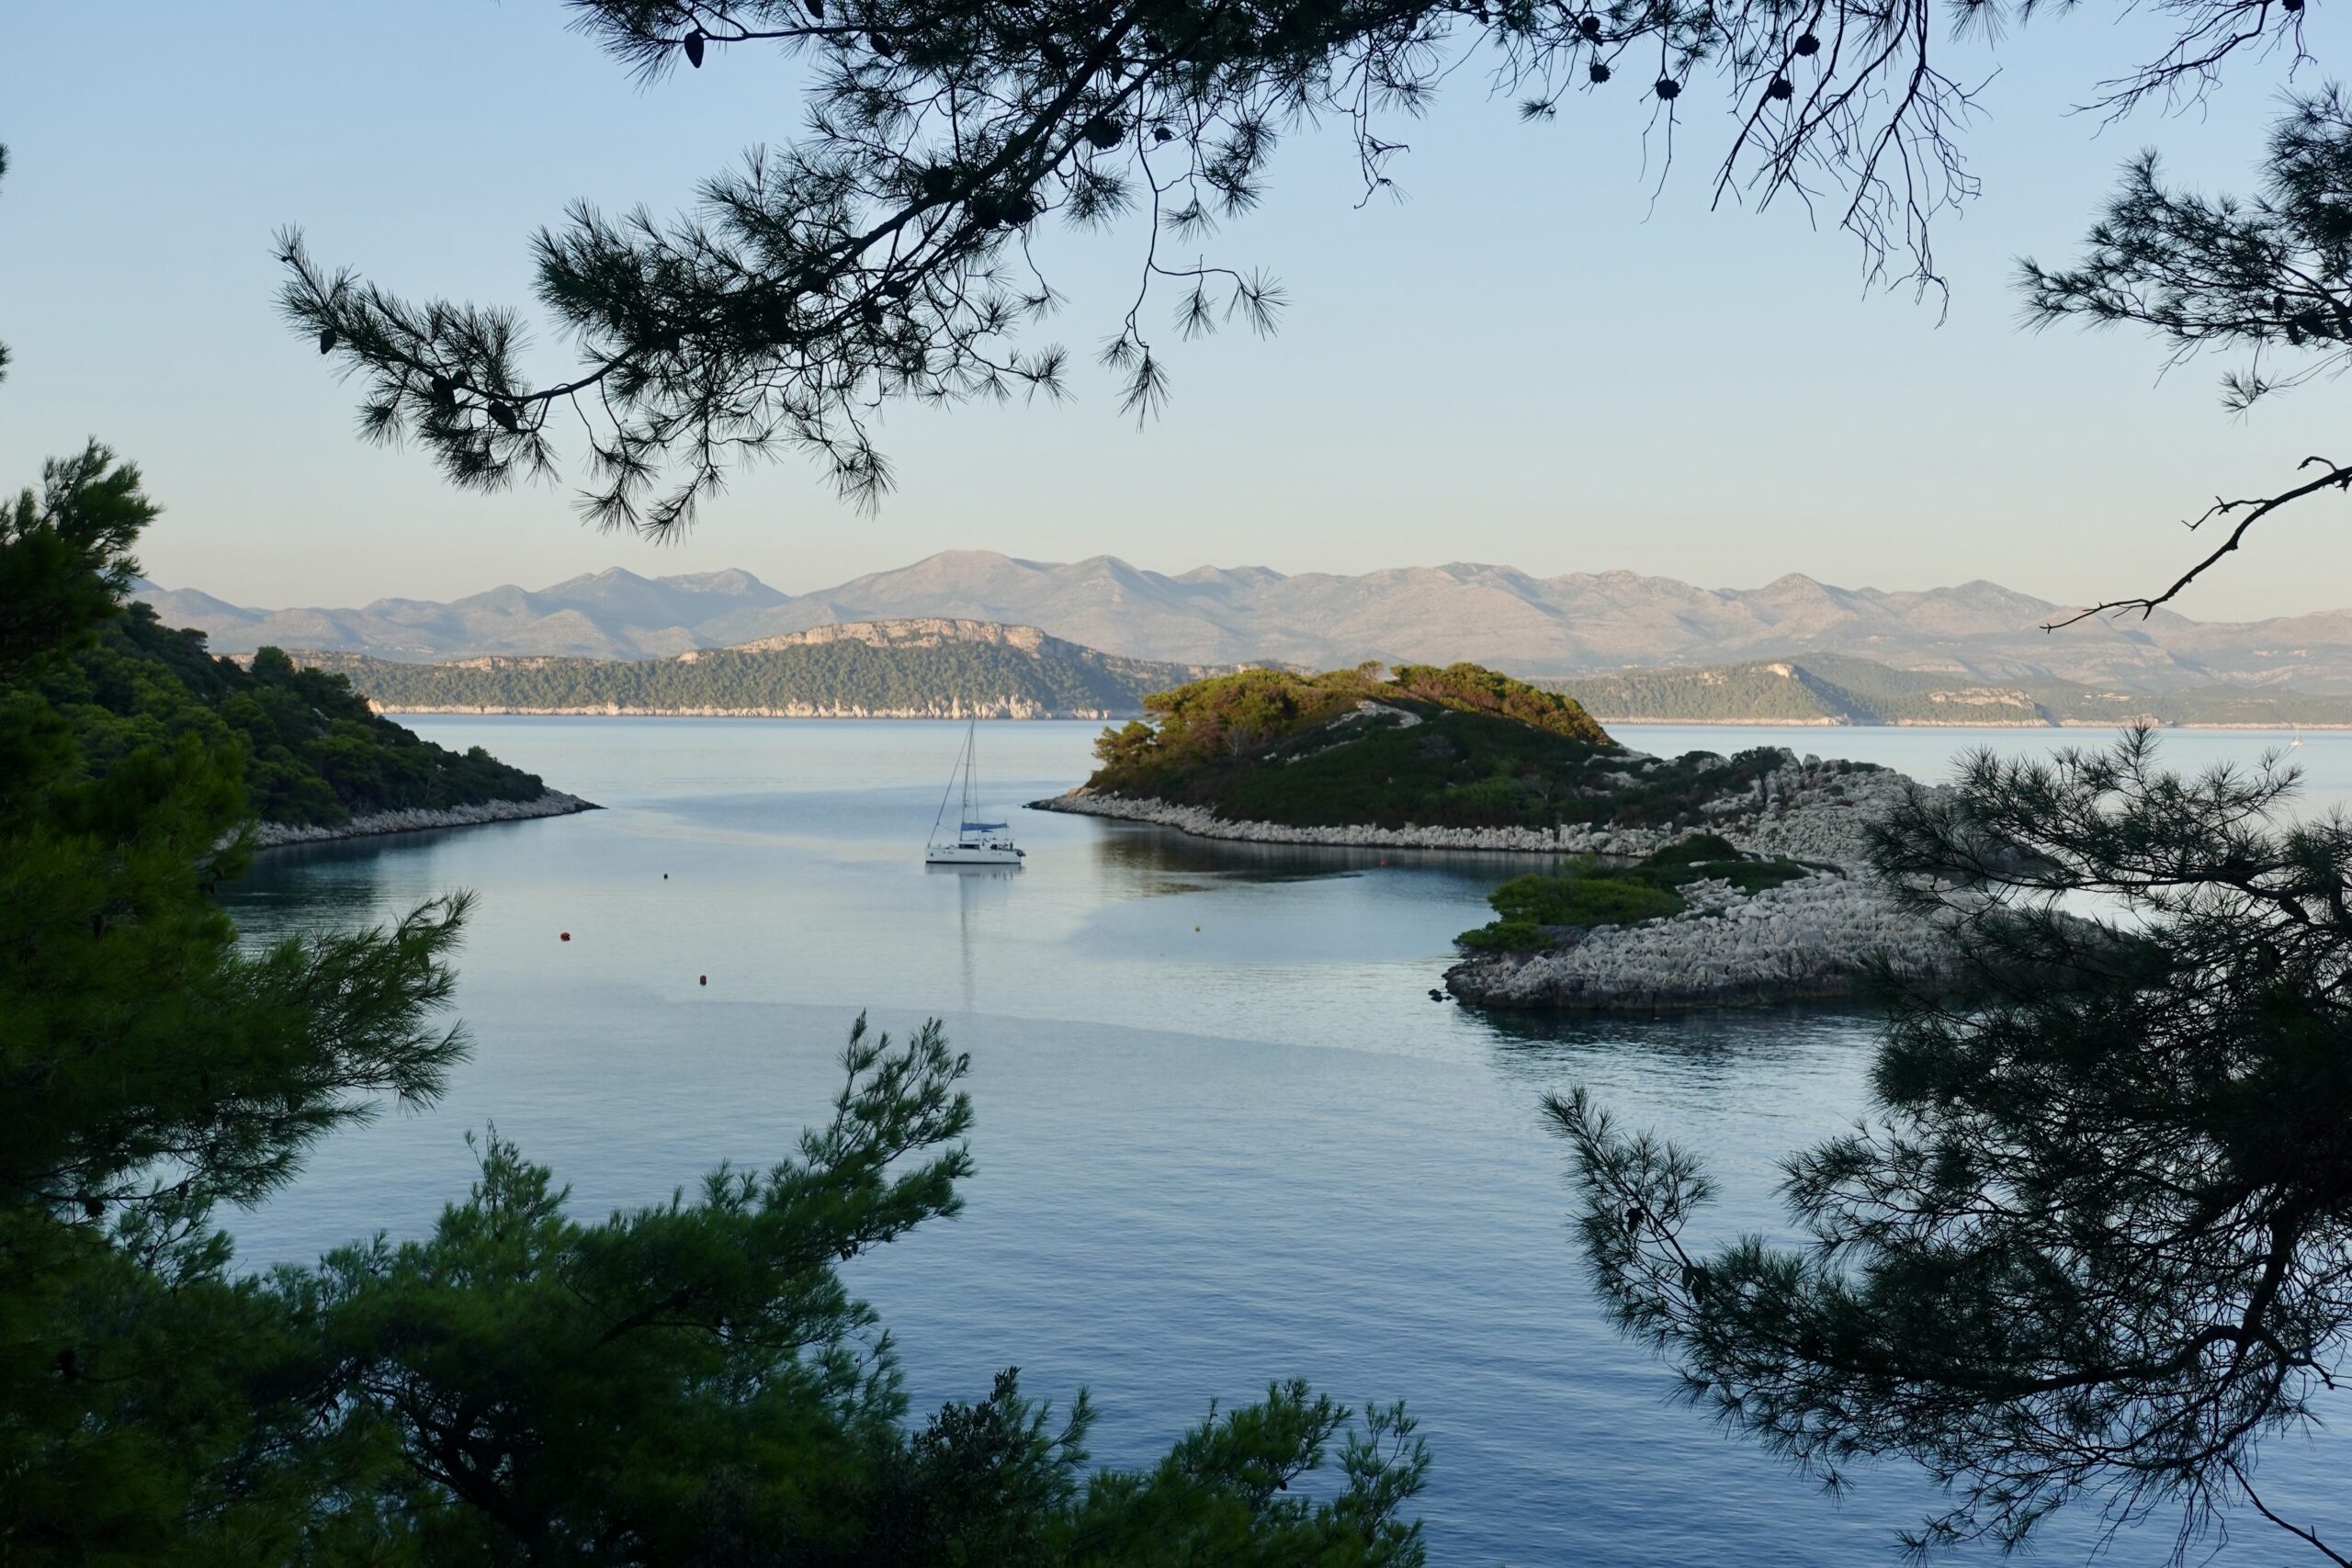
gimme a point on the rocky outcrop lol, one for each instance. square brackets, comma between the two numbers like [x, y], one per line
[1806, 939]
[553, 803]
[1803, 940]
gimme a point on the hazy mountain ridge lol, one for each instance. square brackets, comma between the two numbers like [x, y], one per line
[1574, 625]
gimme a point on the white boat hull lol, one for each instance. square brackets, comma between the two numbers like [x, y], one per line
[975, 841]
[972, 855]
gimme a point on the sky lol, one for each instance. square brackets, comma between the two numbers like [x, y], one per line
[1536, 357]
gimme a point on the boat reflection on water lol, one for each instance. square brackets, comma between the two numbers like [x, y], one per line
[971, 891]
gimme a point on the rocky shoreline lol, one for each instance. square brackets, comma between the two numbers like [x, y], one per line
[551, 802]
[1804, 941]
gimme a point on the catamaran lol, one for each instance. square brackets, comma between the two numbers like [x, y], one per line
[973, 843]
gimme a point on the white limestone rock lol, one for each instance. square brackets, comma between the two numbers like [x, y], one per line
[551, 802]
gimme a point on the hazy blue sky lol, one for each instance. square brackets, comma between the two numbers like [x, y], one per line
[1521, 363]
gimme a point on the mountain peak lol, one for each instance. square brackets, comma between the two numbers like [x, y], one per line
[1482, 612]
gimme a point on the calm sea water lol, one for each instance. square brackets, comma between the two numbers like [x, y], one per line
[1224, 1136]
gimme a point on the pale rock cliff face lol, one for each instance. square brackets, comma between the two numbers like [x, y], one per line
[927, 631]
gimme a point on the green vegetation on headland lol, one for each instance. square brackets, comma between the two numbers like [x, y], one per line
[313, 753]
[690, 1382]
[1829, 689]
[1537, 909]
[890, 668]
[1460, 746]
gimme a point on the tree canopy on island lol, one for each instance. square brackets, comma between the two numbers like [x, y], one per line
[314, 753]
[1458, 747]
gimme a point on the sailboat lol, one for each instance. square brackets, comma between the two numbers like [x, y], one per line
[973, 843]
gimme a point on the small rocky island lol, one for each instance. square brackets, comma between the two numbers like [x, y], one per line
[1697, 881]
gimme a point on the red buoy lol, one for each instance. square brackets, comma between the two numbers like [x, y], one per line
[563, 936]
[704, 980]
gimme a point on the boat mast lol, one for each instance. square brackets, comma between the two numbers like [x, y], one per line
[971, 766]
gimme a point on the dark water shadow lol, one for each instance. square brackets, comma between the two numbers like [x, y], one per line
[1150, 847]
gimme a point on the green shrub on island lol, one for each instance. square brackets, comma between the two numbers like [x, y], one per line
[1532, 911]
[314, 753]
[1229, 716]
[1461, 747]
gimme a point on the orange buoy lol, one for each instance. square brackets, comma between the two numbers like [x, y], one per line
[563, 936]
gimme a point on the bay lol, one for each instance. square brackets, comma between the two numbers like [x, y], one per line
[1224, 1136]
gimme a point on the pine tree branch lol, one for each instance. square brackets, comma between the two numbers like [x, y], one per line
[2338, 477]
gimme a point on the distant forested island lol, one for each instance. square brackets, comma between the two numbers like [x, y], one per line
[940, 668]
[910, 669]
[317, 762]
[1832, 690]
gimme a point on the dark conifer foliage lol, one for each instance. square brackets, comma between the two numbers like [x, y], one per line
[2269, 277]
[2095, 1244]
[893, 248]
[314, 753]
[687, 1384]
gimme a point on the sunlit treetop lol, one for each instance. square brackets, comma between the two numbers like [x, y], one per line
[893, 247]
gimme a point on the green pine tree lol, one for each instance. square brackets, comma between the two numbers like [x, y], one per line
[690, 1383]
[2094, 1243]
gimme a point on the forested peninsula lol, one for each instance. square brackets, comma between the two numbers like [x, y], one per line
[1828, 689]
[317, 762]
[1701, 880]
[906, 669]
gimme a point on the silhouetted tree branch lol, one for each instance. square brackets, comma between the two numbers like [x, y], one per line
[888, 252]
[2095, 1245]
[2270, 275]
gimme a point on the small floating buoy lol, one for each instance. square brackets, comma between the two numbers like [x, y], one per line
[703, 980]
[563, 936]
[665, 876]
[1196, 928]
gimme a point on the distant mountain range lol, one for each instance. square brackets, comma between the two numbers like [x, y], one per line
[1830, 690]
[909, 668]
[1576, 625]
